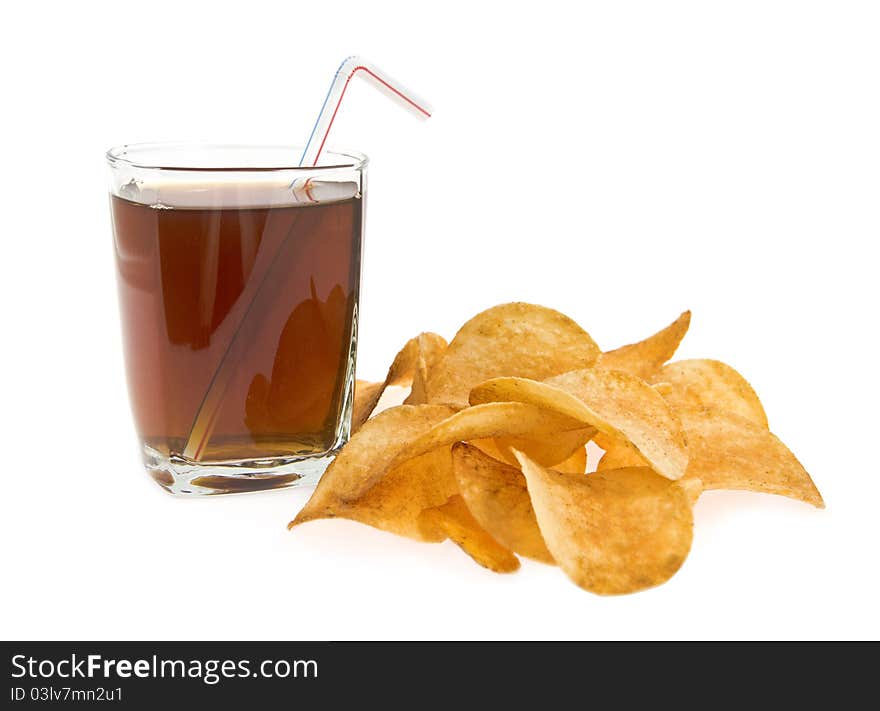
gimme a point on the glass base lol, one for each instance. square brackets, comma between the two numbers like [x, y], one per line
[184, 477]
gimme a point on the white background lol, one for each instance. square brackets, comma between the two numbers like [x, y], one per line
[620, 162]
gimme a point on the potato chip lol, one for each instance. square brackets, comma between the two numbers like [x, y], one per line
[395, 502]
[693, 488]
[645, 357]
[509, 340]
[497, 496]
[711, 383]
[491, 449]
[496, 419]
[402, 372]
[359, 485]
[560, 450]
[663, 388]
[454, 520]
[431, 348]
[366, 396]
[730, 452]
[619, 455]
[497, 461]
[616, 403]
[612, 532]
[575, 464]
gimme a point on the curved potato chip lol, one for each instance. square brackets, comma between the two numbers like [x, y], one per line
[645, 357]
[575, 464]
[663, 388]
[346, 488]
[495, 419]
[490, 448]
[618, 404]
[515, 339]
[711, 383]
[730, 452]
[455, 521]
[693, 488]
[366, 396]
[497, 496]
[396, 501]
[619, 455]
[431, 348]
[612, 532]
[402, 372]
[560, 450]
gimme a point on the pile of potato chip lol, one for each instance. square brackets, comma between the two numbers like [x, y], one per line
[489, 449]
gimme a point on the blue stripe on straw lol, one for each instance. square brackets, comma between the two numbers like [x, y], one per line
[321, 112]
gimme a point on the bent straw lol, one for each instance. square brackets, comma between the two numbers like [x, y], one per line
[206, 417]
[351, 67]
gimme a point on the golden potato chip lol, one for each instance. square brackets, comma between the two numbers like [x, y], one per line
[491, 449]
[454, 520]
[514, 340]
[645, 357]
[431, 348]
[366, 395]
[663, 388]
[395, 502]
[402, 372]
[730, 452]
[350, 486]
[497, 461]
[693, 488]
[575, 464]
[616, 403]
[496, 495]
[711, 383]
[612, 532]
[619, 455]
[560, 450]
[495, 419]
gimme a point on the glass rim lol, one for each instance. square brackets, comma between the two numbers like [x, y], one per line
[118, 156]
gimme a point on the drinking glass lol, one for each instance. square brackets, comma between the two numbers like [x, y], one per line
[238, 276]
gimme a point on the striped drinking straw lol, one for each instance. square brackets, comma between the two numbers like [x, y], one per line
[206, 417]
[351, 67]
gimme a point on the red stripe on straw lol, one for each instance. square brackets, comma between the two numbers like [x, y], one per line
[339, 102]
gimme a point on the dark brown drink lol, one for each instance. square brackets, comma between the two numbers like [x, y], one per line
[238, 325]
